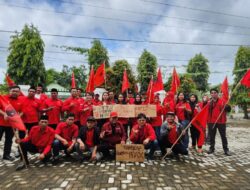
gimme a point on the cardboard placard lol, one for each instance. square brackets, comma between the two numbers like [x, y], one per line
[130, 152]
[124, 111]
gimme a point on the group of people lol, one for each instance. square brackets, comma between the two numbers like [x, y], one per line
[54, 125]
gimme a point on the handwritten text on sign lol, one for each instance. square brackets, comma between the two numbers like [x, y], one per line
[125, 111]
[130, 152]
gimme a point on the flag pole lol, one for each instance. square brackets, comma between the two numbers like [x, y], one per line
[20, 149]
[182, 133]
[105, 74]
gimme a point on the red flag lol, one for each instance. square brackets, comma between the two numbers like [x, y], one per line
[9, 81]
[125, 83]
[224, 90]
[100, 75]
[246, 79]
[73, 81]
[158, 84]
[13, 118]
[175, 82]
[91, 84]
[150, 91]
[200, 122]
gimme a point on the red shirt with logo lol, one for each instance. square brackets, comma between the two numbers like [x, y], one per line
[75, 108]
[30, 109]
[67, 132]
[54, 114]
[85, 114]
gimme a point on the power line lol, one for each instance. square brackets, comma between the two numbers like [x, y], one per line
[135, 41]
[196, 9]
[156, 15]
[122, 20]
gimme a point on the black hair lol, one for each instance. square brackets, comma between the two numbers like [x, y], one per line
[16, 86]
[214, 89]
[32, 87]
[141, 115]
[53, 90]
[70, 115]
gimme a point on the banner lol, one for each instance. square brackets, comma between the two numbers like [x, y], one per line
[124, 111]
[130, 152]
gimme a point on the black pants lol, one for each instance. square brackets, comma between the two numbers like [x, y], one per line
[28, 147]
[8, 139]
[28, 127]
[53, 126]
[177, 149]
[104, 148]
[212, 133]
[195, 134]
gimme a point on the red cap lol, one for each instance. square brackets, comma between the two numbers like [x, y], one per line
[113, 114]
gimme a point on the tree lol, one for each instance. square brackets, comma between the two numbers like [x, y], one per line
[97, 54]
[242, 63]
[51, 76]
[199, 71]
[64, 77]
[147, 67]
[187, 84]
[115, 76]
[25, 61]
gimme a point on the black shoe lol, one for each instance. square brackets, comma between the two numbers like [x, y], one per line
[211, 151]
[20, 166]
[8, 157]
[55, 161]
[227, 153]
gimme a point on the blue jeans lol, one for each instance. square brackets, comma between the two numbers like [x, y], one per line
[152, 145]
[185, 140]
[57, 146]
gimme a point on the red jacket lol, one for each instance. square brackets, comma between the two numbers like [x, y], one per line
[157, 121]
[85, 114]
[30, 109]
[214, 110]
[116, 137]
[139, 137]
[72, 109]
[54, 114]
[180, 111]
[41, 140]
[17, 105]
[67, 132]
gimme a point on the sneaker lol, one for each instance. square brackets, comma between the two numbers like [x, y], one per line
[20, 166]
[227, 153]
[8, 157]
[211, 151]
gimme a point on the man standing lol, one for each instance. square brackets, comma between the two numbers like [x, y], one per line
[53, 107]
[88, 140]
[39, 140]
[86, 109]
[112, 133]
[5, 127]
[65, 134]
[217, 120]
[72, 105]
[30, 110]
[143, 133]
[170, 131]
[39, 93]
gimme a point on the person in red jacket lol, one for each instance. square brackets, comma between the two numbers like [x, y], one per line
[156, 122]
[72, 105]
[31, 108]
[53, 108]
[217, 120]
[111, 97]
[39, 94]
[5, 127]
[143, 133]
[168, 103]
[65, 137]
[86, 109]
[39, 140]
[96, 100]
[112, 133]
[130, 98]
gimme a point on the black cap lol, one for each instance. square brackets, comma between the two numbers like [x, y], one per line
[91, 118]
[170, 113]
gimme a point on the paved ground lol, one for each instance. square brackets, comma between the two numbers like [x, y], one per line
[191, 172]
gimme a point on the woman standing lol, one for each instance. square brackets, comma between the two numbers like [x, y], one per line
[156, 122]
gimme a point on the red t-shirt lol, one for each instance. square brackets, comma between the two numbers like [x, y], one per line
[54, 114]
[89, 137]
[180, 111]
[67, 132]
[30, 109]
[157, 121]
[72, 109]
[214, 110]
[42, 140]
[85, 114]
[172, 135]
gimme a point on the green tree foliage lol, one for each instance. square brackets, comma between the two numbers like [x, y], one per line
[242, 63]
[64, 77]
[199, 71]
[115, 76]
[25, 61]
[187, 84]
[51, 76]
[147, 67]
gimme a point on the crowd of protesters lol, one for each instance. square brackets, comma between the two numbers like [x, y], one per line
[54, 125]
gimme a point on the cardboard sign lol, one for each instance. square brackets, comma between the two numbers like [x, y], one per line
[130, 152]
[124, 111]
